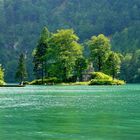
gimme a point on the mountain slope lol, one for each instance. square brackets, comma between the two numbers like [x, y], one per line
[21, 22]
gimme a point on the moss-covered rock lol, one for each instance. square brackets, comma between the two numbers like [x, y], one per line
[99, 78]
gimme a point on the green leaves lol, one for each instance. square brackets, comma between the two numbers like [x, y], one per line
[102, 57]
[40, 52]
[1, 73]
[99, 49]
[65, 50]
[56, 54]
[61, 56]
[130, 68]
[113, 64]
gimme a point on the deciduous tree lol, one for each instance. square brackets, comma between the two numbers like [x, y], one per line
[99, 49]
[113, 64]
[65, 50]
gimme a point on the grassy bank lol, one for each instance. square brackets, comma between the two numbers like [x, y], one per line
[97, 78]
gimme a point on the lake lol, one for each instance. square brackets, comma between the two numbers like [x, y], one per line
[70, 113]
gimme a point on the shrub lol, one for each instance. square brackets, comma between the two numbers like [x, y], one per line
[106, 82]
[100, 75]
[1, 76]
[2, 82]
[49, 81]
[99, 78]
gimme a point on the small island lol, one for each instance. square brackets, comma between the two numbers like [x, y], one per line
[97, 78]
[59, 58]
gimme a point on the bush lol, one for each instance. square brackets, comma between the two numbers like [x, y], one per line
[100, 75]
[106, 82]
[1, 76]
[49, 81]
[99, 78]
[2, 82]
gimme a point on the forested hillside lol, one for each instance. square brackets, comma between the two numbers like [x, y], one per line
[21, 22]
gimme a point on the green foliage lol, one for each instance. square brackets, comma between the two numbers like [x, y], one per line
[106, 82]
[21, 73]
[48, 81]
[62, 56]
[22, 20]
[1, 76]
[39, 54]
[2, 82]
[130, 68]
[99, 49]
[127, 40]
[1, 73]
[64, 51]
[99, 78]
[103, 58]
[80, 66]
[100, 75]
[113, 64]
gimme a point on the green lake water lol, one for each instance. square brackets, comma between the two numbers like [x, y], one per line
[70, 113]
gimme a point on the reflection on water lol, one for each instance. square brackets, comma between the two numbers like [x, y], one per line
[70, 113]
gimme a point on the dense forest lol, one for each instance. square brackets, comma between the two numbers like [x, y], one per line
[21, 22]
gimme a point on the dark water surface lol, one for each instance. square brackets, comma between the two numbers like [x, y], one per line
[70, 113]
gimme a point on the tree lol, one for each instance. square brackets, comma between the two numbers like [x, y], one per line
[135, 65]
[125, 71]
[1, 75]
[113, 64]
[39, 59]
[21, 73]
[65, 50]
[80, 66]
[130, 67]
[99, 49]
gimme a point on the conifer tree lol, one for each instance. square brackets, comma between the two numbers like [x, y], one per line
[21, 73]
[39, 59]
